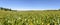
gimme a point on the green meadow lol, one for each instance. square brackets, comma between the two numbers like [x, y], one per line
[29, 17]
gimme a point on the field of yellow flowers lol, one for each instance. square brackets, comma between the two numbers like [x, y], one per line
[30, 18]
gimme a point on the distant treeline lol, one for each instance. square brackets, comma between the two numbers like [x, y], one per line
[6, 9]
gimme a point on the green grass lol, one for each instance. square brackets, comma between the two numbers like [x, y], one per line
[29, 18]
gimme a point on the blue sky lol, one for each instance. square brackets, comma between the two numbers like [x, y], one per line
[30, 4]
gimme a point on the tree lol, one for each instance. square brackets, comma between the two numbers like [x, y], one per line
[6, 9]
[59, 9]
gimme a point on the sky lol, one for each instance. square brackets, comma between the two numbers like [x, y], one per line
[30, 4]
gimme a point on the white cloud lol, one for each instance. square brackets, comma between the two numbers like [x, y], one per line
[27, 9]
[24, 9]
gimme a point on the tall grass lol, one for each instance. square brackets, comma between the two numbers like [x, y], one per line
[30, 18]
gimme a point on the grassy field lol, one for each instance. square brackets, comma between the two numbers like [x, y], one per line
[30, 18]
